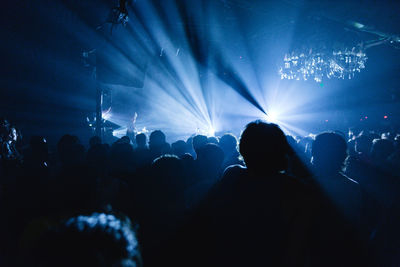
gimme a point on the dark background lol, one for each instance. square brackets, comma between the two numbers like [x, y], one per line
[46, 89]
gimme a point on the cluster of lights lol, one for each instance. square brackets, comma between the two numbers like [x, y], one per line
[312, 65]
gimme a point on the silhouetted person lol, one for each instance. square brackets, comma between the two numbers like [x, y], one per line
[179, 148]
[161, 206]
[380, 152]
[97, 240]
[329, 152]
[208, 170]
[363, 145]
[73, 188]
[122, 157]
[141, 141]
[124, 140]
[141, 154]
[198, 142]
[4, 129]
[256, 215]
[229, 145]
[157, 144]
[209, 160]
[10, 155]
[338, 228]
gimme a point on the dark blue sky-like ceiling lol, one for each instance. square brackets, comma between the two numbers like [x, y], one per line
[44, 79]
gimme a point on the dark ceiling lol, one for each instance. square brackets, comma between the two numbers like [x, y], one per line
[42, 42]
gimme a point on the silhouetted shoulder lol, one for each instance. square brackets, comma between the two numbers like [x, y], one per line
[234, 170]
[230, 179]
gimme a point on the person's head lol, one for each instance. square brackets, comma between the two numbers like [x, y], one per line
[157, 140]
[211, 157]
[4, 123]
[141, 140]
[329, 150]
[166, 148]
[264, 147]
[199, 141]
[168, 172]
[165, 163]
[124, 140]
[98, 239]
[179, 148]
[228, 143]
[381, 149]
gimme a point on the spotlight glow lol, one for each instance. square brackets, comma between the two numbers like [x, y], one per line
[211, 132]
[106, 115]
[187, 91]
[272, 117]
[207, 131]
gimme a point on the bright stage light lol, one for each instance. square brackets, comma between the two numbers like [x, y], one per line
[179, 93]
[207, 131]
[211, 132]
[120, 132]
[272, 117]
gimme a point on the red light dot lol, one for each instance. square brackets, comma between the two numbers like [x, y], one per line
[366, 117]
[385, 117]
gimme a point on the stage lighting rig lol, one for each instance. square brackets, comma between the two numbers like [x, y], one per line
[118, 15]
[334, 63]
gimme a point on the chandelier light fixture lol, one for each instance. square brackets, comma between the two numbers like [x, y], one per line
[341, 64]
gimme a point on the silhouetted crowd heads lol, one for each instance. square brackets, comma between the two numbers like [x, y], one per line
[265, 200]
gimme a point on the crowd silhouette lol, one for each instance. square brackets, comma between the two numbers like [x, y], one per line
[265, 200]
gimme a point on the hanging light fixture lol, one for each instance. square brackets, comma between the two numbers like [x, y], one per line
[341, 64]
